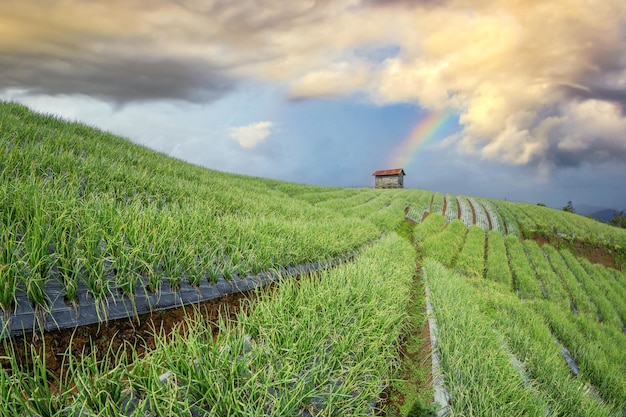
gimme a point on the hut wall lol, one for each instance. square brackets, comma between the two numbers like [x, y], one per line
[389, 181]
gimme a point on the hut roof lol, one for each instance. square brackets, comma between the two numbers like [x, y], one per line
[395, 171]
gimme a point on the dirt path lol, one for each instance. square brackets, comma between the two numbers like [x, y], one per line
[471, 206]
[415, 371]
[488, 217]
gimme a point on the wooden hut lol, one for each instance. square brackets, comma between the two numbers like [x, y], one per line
[389, 178]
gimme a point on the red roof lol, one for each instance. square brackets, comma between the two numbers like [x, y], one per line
[389, 172]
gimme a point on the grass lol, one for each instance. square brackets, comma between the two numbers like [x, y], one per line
[499, 348]
[527, 285]
[551, 283]
[497, 262]
[325, 344]
[84, 207]
[471, 259]
[478, 371]
[446, 245]
[108, 213]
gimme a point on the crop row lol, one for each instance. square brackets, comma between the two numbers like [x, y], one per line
[419, 206]
[482, 219]
[477, 372]
[321, 346]
[432, 225]
[600, 351]
[610, 286]
[499, 355]
[471, 259]
[107, 245]
[510, 222]
[386, 210]
[537, 219]
[437, 203]
[494, 219]
[497, 268]
[452, 208]
[467, 216]
[531, 340]
[546, 296]
[83, 207]
[485, 213]
[445, 245]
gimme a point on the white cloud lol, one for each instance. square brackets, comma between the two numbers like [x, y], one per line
[251, 135]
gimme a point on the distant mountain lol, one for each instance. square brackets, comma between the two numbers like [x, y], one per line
[603, 215]
[600, 213]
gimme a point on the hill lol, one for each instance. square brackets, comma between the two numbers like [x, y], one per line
[88, 218]
[602, 214]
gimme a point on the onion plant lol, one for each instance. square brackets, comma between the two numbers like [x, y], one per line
[497, 262]
[471, 259]
[9, 269]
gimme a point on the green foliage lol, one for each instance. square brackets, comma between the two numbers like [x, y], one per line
[611, 288]
[497, 261]
[112, 214]
[326, 344]
[580, 301]
[542, 220]
[531, 341]
[569, 207]
[445, 246]
[97, 210]
[432, 225]
[600, 351]
[471, 260]
[618, 220]
[478, 371]
[527, 285]
[592, 290]
[551, 282]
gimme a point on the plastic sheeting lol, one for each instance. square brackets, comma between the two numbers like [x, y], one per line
[61, 315]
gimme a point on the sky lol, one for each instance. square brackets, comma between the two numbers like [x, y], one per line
[523, 100]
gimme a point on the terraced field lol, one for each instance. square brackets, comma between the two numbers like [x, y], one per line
[524, 329]
[90, 221]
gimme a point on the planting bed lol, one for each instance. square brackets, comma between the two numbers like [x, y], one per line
[107, 242]
[312, 347]
[134, 334]
[63, 315]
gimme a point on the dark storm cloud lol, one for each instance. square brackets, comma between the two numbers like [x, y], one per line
[123, 51]
[599, 152]
[115, 78]
[615, 95]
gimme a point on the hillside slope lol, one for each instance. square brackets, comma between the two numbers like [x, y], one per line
[94, 214]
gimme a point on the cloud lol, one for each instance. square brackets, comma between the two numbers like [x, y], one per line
[251, 135]
[509, 68]
[535, 83]
[341, 78]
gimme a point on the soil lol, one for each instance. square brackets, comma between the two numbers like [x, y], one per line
[469, 203]
[594, 253]
[391, 401]
[120, 334]
[488, 219]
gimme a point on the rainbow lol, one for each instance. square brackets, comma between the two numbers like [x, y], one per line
[425, 130]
